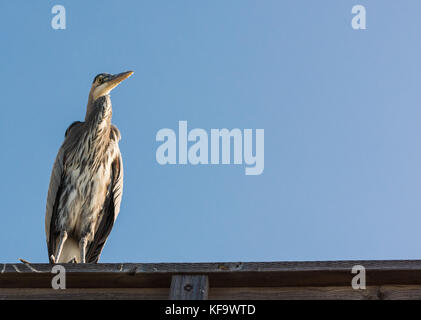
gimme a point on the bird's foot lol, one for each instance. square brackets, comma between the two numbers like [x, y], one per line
[72, 260]
[24, 261]
[52, 259]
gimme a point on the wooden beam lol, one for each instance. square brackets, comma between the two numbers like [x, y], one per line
[188, 287]
[84, 294]
[238, 293]
[386, 292]
[220, 275]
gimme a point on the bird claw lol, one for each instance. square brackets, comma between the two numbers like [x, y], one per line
[72, 260]
[24, 261]
[53, 259]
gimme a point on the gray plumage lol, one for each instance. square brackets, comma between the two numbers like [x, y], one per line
[86, 183]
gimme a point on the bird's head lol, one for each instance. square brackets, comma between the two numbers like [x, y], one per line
[104, 83]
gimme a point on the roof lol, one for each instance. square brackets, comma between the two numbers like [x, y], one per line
[390, 279]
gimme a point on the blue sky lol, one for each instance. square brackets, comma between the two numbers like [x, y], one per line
[340, 109]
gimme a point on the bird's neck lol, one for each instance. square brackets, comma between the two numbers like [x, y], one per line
[94, 139]
[99, 112]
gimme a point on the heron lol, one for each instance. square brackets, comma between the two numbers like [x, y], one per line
[86, 182]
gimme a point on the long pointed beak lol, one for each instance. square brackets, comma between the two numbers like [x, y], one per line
[116, 79]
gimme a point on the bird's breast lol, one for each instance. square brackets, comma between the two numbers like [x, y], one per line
[84, 198]
[87, 177]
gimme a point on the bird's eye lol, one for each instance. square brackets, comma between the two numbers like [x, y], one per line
[99, 80]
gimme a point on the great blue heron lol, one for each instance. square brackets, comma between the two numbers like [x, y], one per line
[86, 183]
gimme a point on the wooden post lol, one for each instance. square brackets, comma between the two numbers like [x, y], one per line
[189, 287]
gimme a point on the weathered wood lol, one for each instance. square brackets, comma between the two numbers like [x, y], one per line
[293, 293]
[249, 274]
[250, 280]
[188, 287]
[238, 293]
[386, 292]
[84, 294]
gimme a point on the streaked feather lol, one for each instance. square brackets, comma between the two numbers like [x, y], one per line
[86, 184]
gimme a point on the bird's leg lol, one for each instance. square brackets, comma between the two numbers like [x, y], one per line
[82, 246]
[63, 238]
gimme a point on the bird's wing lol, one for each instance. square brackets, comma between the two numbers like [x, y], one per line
[109, 212]
[75, 124]
[54, 193]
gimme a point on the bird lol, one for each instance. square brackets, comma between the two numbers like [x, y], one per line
[86, 183]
